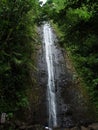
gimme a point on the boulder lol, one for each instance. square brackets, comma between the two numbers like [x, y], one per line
[17, 123]
[56, 128]
[74, 128]
[84, 128]
[30, 127]
[23, 128]
[93, 126]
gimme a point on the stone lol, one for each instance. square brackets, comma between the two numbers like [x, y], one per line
[93, 126]
[74, 128]
[66, 129]
[17, 123]
[56, 128]
[23, 128]
[84, 128]
[30, 128]
[3, 118]
[39, 127]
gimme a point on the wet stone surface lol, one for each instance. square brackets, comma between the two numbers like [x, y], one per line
[70, 104]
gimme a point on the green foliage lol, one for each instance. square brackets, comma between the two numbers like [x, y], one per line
[9, 115]
[17, 39]
[24, 100]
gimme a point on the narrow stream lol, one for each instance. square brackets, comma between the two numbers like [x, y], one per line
[47, 34]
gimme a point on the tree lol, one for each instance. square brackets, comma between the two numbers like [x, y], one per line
[17, 39]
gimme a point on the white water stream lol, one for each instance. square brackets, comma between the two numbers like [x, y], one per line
[48, 41]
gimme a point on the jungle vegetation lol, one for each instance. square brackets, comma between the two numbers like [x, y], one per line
[17, 41]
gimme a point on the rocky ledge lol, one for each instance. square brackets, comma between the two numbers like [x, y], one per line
[93, 126]
[24, 126]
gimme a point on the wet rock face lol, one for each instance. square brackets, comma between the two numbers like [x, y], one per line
[72, 108]
[42, 81]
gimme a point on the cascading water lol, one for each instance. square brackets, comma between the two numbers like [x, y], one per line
[48, 41]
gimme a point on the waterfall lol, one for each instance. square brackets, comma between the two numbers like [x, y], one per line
[48, 44]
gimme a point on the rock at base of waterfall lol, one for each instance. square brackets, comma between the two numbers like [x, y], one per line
[84, 128]
[93, 126]
[47, 128]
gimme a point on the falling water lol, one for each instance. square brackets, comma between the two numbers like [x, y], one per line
[48, 41]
